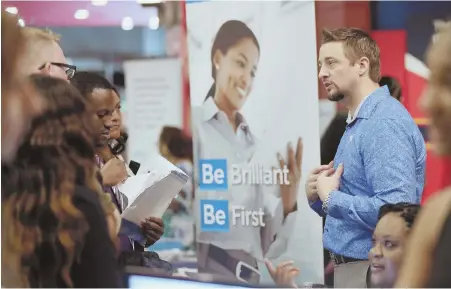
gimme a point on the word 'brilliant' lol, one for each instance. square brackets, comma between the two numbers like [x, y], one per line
[214, 174]
[256, 174]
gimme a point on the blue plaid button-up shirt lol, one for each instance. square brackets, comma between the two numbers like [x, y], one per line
[383, 154]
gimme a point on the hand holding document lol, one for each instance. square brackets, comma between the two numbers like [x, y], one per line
[149, 194]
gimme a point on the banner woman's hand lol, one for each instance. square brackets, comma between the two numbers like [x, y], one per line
[289, 192]
[284, 274]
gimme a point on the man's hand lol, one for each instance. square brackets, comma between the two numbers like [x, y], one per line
[114, 172]
[328, 182]
[284, 274]
[288, 193]
[152, 229]
[311, 189]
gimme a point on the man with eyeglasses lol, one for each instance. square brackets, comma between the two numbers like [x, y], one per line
[43, 54]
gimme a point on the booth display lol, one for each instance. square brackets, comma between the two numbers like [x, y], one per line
[253, 90]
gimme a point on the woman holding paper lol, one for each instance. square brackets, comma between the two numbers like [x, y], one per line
[106, 102]
[221, 132]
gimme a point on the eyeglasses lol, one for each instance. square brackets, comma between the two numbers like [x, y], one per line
[68, 69]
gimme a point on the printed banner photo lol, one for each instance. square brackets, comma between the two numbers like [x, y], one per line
[253, 89]
[154, 121]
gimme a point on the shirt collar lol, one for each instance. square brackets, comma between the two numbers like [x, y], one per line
[351, 117]
[367, 105]
[211, 110]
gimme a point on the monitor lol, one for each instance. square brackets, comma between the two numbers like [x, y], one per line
[139, 277]
[144, 282]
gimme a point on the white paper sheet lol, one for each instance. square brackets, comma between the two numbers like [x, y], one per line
[149, 194]
[157, 164]
[136, 185]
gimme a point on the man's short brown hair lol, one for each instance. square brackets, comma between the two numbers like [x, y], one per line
[357, 43]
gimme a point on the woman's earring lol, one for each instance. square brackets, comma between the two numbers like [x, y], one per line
[217, 67]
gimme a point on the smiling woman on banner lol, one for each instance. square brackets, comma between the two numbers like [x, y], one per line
[259, 224]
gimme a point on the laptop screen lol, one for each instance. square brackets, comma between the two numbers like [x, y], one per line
[145, 282]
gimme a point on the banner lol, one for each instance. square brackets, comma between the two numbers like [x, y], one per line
[253, 84]
[153, 88]
[154, 121]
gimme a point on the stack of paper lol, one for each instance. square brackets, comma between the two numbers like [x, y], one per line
[151, 191]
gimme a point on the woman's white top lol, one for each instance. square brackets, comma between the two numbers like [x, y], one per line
[214, 138]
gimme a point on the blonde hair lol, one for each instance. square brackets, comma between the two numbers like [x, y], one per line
[36, 41]
[34, 34]
[357, 43]
[13, 41]
[437, 98]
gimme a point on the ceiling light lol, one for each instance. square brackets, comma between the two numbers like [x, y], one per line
[81, 14]
[149, 1]
[127, 23]
[154, 23]
[12, 10]
[21, 22]
[99, 2]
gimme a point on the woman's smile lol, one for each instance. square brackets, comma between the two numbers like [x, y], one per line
[241, 91]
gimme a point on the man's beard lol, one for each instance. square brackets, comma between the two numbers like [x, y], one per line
[336, 96]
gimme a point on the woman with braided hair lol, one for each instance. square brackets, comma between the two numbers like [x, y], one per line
[56, 228]
[389, 242]
[390, 238]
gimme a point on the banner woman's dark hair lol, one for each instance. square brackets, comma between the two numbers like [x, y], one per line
[228, 35]
[178, 143]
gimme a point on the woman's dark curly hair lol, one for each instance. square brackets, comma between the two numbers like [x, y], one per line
[407, 211]
[45, 231]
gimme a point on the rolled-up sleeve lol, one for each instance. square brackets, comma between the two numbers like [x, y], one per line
[389, 158]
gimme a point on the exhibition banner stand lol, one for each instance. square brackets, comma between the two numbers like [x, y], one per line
[254, 93]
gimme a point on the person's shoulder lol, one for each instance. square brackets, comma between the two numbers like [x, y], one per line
[438, 204]
[390, 113]
[431, 219]
[382, 126]
[390, 108]
[91, 204]
[85, 197]
[435, 211]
